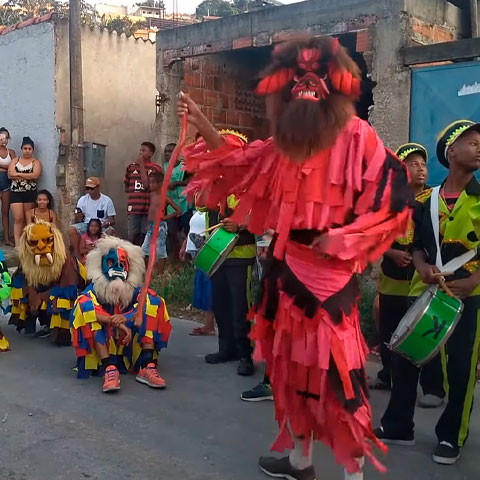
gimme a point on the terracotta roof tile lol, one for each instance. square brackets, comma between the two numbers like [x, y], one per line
[26, 23]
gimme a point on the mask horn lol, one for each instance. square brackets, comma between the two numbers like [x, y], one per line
[344, 82]
[275, 82]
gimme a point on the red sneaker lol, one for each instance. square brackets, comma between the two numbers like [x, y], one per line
[149, 376]
[111, 379]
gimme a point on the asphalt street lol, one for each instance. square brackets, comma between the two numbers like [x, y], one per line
[53, 426]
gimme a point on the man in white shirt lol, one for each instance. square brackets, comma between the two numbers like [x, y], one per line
[92, 205]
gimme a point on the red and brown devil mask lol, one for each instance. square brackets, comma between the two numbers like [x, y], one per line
[312, 67]
[311, 86]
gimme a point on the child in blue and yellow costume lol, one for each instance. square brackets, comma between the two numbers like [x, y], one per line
[46, 283]
[5, 288]
[107, 336]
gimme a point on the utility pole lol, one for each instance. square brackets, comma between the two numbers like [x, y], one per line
[74, 179]
[76, 87]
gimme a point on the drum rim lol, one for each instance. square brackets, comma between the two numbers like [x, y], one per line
[222, 256]
[226, 250]
[432, 290]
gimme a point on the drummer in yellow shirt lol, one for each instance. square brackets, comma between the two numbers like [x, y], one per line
[458, 149]
[231, 291]
[396, 272]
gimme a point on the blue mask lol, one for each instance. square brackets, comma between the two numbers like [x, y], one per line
[115, 264]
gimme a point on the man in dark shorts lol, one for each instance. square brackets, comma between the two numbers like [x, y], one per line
[136, 186]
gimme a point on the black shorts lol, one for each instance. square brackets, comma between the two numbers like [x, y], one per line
[136, 225]
[23, 197]
[181, 223]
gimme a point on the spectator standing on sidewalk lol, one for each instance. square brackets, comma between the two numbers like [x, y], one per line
[6, 155]
[178, 226]
[137, 187]
[23, 172]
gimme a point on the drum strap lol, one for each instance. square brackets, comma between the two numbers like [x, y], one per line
[456, 262]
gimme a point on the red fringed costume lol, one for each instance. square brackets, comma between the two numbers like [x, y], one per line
[334, 211]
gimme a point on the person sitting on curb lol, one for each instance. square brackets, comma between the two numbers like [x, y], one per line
[93, 204]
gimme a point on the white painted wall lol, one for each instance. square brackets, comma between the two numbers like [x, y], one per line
[118, 99]
[27, 102]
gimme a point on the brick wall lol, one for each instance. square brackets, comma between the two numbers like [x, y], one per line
[225, 97]
[221, 84]
[426, 33]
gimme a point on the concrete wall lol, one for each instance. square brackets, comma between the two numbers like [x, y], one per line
[435, 21]
[382, 29]
[27, 105]
[412, 23]
[390, 115]
[252, 31]
[119, 100]
[270, 24]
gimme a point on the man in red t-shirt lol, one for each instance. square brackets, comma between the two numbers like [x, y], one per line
[136, 185]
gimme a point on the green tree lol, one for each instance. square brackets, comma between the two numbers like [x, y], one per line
[121, 25]
[9, 16]
[31, 8]
[215, 8]
[151, 3]
[223, 8]
[15, 11]
[241, 5]
[87, 12]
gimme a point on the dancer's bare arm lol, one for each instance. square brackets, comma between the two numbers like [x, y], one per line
[186, 106]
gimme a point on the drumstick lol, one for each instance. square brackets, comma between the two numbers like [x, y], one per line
[209, 229]
[443, 285]
[443, 274]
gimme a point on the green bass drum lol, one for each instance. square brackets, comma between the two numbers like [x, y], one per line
[215, 251]
[426, 326]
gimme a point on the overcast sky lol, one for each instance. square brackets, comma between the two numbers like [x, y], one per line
[184, 6]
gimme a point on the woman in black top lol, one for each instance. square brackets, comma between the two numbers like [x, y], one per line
[24, 172]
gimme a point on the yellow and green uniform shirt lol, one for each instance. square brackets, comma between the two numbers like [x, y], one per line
[457, 233]
[395, 280]
[245, 250]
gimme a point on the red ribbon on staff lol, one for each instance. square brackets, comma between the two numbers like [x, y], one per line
[159, 216]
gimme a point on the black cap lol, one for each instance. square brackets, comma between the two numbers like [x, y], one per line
[405, 150]
[448, 136]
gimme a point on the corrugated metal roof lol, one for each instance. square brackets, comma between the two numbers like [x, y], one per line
[167, 23]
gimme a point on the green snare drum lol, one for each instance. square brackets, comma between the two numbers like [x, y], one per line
[215, 251]
[426, 326]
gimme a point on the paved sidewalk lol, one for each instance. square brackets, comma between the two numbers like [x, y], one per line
[55, 427]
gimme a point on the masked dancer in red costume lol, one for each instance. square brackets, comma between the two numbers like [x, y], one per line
[336, 199]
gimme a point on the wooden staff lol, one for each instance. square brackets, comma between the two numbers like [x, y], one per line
[159, 215]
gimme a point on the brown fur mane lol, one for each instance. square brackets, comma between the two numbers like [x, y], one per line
[301, 128]
[37, 275]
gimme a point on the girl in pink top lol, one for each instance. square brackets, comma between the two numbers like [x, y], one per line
[88, 241]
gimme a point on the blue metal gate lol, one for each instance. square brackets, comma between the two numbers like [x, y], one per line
[439, 96]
